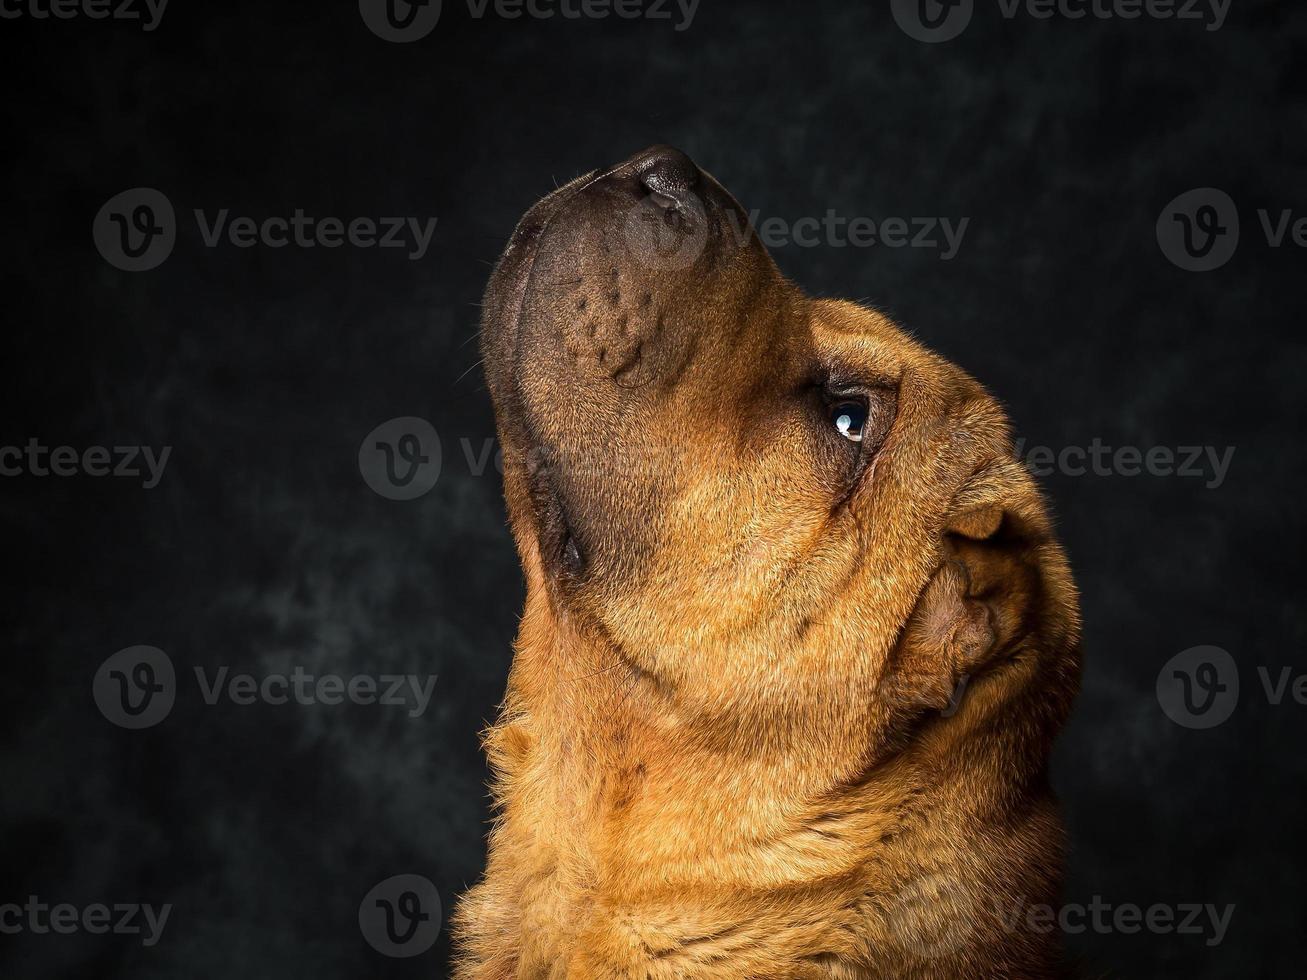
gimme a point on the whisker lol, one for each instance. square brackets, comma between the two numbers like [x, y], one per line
[635, 679]
[601, 670]
[480, 361]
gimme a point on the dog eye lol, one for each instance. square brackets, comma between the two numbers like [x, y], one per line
[849, 419]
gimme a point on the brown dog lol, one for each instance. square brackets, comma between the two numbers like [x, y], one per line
[768, 541]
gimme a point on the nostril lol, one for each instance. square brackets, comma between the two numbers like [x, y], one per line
[662, 200]
[668, 174]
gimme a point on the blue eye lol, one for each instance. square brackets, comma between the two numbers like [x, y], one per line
[849, 418]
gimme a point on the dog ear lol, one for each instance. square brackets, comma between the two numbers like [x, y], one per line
[973, 612]
[975, 523]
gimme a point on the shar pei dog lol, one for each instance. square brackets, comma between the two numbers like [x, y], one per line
[798, 636]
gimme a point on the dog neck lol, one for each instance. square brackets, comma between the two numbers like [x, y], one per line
[629, 831]
[628, 783]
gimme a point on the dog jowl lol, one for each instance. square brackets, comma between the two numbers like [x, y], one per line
[797, 636]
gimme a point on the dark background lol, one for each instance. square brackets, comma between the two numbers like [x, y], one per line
[262, 547]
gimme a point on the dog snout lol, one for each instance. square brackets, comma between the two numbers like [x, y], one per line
[600, 299]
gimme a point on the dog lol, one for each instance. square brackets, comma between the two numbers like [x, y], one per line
[797, 636]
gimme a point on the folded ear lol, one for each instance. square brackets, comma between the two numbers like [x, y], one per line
[975, 523]
[947, 635]
[983, 599]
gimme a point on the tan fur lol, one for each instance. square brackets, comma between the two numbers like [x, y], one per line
[729, 749]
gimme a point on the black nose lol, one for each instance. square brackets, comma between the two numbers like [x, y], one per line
[667, 172]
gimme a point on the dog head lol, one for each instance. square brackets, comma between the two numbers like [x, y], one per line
[764, 504]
